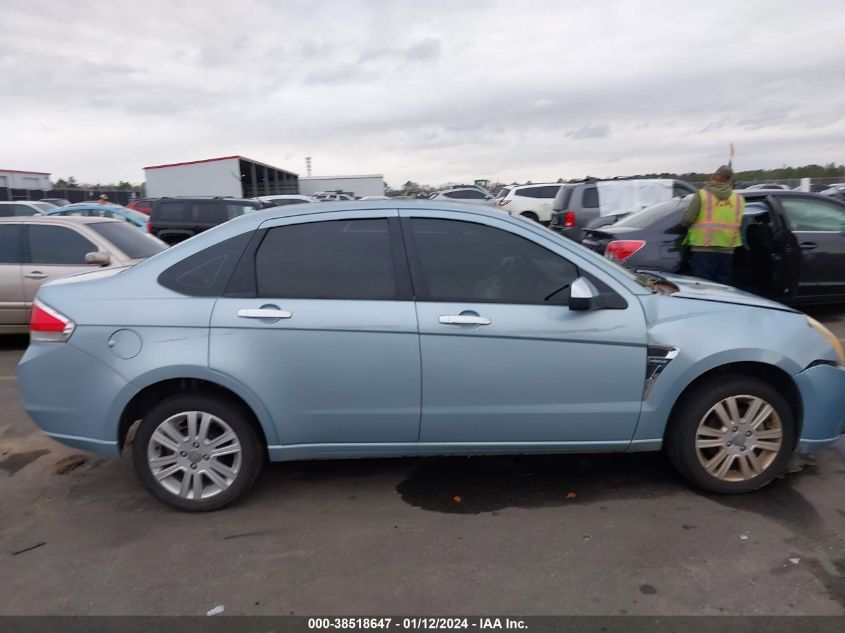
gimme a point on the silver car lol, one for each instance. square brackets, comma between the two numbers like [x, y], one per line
[37, 249]
[463, 194]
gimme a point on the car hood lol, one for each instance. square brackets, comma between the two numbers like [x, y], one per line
[695, 288]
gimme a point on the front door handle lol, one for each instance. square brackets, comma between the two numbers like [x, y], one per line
[463, 319]
[263, 313]
[35, 274]
[808, 246]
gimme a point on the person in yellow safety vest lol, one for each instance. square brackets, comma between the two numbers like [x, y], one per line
[713, 219]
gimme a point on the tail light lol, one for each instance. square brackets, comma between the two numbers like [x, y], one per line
[569, 219]
[149, 228]
[620, 250]
[503, 202]
[46, 324]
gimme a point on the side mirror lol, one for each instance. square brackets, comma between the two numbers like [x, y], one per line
[582, 294]
[99, 258]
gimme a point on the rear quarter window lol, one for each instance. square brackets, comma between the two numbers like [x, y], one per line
[206, 273]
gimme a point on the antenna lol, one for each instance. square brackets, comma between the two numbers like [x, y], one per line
[308, 165]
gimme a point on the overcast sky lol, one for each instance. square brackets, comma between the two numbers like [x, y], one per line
[432, 91]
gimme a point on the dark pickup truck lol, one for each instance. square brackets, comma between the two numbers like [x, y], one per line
[174, 220]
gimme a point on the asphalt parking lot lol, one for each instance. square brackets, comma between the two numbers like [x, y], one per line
[588, 534]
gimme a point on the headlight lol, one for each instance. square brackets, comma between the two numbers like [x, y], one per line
[830, 336]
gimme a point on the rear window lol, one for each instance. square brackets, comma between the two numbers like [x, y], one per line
[562, 198]
[657, 213]
[134, 243]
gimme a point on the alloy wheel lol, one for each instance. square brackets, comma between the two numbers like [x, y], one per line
[738, 438]
[194, 455]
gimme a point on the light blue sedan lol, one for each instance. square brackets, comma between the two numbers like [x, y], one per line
[93, 209]
[364, 329]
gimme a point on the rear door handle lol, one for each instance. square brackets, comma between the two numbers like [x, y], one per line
[808, 246]
[263, 313]
[463, 319]
[35, 274]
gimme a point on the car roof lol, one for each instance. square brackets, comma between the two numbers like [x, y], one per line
[19, 201]
[535, 184]
[205, 199]
[262, 215]
[57, 219]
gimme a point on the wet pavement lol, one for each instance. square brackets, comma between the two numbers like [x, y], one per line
[577, 534]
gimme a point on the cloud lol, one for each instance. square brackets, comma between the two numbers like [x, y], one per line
[432, 92]
[597, 130]
[424, 50]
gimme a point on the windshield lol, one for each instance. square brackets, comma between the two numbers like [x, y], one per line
[126, 238]
[650, 215]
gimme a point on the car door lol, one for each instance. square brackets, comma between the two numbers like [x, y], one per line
[818, 225]
[504, 359]
[12, 305]
[52, 252]
[324, 331]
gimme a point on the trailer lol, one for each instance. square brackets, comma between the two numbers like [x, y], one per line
[229, 176]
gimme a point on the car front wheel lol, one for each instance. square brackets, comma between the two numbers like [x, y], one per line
[197, 452]
[731, 435]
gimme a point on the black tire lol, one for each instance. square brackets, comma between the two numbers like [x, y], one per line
[252, 453]
[530, 215]
[683, 428]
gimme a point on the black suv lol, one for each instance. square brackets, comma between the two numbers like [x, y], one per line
[174, 220]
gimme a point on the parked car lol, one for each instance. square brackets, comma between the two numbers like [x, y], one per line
[601, 202]
[368, 198]
[767, 186]
[329, 196]
[95, 210]
[174, 220]
[836, 191]
[34, 250]
[463, 194]
[793, 244]
[144, 205]
[23, 208]
[57, 202]
[283, 200]
[532, 201]
[377, 329]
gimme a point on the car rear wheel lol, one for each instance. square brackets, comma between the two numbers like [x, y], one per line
[731, 435]
[530, 215]
[197, 452]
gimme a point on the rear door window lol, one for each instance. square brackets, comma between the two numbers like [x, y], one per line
[172, 212]
[10, 243]
[209, 213]
[335, 259]
[57, 245]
